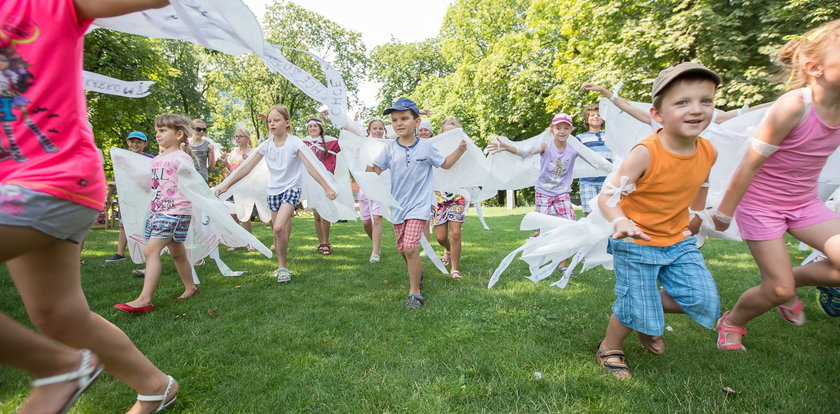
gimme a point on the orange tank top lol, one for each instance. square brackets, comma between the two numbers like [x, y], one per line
[659, 206]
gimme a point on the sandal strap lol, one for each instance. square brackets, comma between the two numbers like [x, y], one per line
[83, 371]
[161, 397]
[727, 328]
[796, 308]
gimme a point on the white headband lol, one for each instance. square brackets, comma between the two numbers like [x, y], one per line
[314, 122]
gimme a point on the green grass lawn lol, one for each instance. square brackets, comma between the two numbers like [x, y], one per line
[337, 338]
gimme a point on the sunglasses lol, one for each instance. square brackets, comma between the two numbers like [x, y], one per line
[201, 129]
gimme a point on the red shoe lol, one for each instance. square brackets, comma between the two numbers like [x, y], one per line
[183, 298]
[131, 309]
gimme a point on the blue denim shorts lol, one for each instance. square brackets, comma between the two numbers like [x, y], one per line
[680, 270]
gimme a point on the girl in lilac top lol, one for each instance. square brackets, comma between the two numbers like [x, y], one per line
[776, 185]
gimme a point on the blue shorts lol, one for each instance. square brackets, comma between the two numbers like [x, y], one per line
[588, 192]
[680, 270]
[290, 197]
[164, 226]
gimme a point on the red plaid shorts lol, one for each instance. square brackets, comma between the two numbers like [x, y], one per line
[560, 206]
[408, 234]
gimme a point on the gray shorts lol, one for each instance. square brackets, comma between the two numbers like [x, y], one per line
[62, 219]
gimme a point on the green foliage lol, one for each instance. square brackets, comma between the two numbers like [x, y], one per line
[513, 63]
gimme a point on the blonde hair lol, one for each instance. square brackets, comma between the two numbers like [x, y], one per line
[177, 123]
[284, 112]
[371, 123]
[450, 121]
[244, 132]
[813, 45]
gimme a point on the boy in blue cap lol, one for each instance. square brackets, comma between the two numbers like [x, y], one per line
[410, 160]
[136, 142]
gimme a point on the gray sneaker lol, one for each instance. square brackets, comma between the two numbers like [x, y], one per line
[414, 301]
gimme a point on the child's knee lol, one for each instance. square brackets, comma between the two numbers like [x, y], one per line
[455, 236]
[781, 293]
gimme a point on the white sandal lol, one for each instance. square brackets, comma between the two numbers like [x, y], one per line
[85, 376]
[162, 398]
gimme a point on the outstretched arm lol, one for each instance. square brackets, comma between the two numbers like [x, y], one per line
[620, 102]
[497, 146]
[630, 171]
[732, 114]
[240, 173]
[778, 123]
[316, 175]
[93, 9]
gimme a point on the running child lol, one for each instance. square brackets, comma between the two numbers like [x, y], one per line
[411, 160]
[285, 160]
[170, 213]
[51, 190]
[369, 210]
[326, 149]
[774, 190]
[662, 177]
[593, 138]
[448, 215]
[136, 142]
[557, 164]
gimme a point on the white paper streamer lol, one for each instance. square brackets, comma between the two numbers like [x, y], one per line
[95, 82]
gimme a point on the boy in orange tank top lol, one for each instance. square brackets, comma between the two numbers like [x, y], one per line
[664, 176]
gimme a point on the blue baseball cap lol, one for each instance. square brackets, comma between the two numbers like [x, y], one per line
[403, 104]
[137, 134]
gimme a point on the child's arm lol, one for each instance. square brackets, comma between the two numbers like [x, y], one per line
[778, 123]
[316, 175]
[699, 203]
[92, 9]
[497, 146]
[352, 128]
[240, 173]
[452, 158]
[620, 102]
[732, 114]
[630, 171]
[374, 169]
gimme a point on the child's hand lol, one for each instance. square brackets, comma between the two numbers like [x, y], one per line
[626, 228]
[219, 190]
[595, 87]
[462, 146]
[719, 225]
[494, 147]
[330, 193]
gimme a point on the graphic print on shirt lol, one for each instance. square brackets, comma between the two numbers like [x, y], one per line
[163, 193]
[15, 80]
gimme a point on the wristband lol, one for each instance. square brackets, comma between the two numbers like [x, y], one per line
[723, 218]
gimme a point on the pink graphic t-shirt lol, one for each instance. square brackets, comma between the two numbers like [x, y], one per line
[168, 199]
[45, 142]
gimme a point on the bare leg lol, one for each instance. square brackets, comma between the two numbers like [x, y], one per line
[319, 228]
[49, 283]
[282, 229]
[368, 226]
[455, 244]
[182, 264]
[122, 243]
[325, 230]
[376, 234]
[153, 270]
[614, 340]
[777, 284]
[824, 237]
[412, 260]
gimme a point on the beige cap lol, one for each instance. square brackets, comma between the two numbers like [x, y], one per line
[667, 75]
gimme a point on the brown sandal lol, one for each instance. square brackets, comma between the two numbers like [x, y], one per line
[614, 368]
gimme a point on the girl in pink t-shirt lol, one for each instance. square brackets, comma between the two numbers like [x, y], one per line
[326, 149]
[775, 187]
[52, 187]
[171, 212]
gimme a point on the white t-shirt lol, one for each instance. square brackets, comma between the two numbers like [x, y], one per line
[284, 165]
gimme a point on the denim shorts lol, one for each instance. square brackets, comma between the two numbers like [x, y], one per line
[56, 217]
[680, 270]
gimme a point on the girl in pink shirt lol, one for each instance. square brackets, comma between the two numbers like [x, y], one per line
[52, 187]
[776, 186]
[171, 212]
